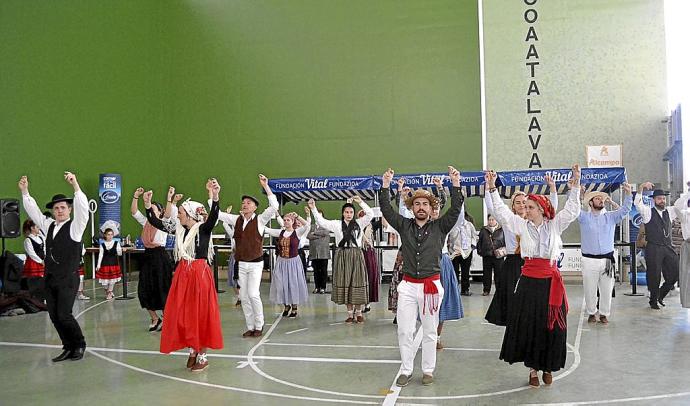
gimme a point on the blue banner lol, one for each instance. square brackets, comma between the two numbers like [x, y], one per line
[324, 183]
[425, 180]
[608, 176]
[109, 201]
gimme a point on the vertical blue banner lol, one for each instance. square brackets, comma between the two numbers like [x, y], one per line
[109, 200]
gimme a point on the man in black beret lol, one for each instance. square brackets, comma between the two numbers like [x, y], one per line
[63, 253]
[659, 253]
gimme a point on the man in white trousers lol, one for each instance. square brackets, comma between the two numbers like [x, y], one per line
[597, 229]
[420, 292]
[249, 231]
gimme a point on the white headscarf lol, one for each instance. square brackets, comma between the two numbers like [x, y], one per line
[195, 210]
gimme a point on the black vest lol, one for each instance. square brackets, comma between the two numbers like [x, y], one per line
[39, 249]
[109, 255]
[62, 253]
[658, 230]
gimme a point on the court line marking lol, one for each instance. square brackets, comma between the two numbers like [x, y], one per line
[224, 387]
[575, 350]
[255, 368]
[96, 305]
[394, 391]
[297, 331]
[233, 356]
[374, 346]
[565, 373]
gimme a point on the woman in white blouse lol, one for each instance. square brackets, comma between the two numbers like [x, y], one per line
[34, 247]
[288, 285]
[350, 283]
[155, 275]
[536, 327]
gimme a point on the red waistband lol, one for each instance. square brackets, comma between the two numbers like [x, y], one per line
[542, 268]
[410, 279]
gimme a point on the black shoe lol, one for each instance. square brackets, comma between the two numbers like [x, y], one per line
[286, 310]
[154, 327]
[293, 314]
[395, 320]
[654, 306]
[77, 354]
[63, 356]
[661, 302]
[366, 309]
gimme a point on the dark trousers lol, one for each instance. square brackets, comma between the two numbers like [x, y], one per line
[491, 266]
[60, 295]
[320, 267]
[36, 288]
[303, 258]
[462, 271]
[660, 259]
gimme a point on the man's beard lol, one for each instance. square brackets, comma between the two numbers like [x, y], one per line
[422, 213]
[661, 206]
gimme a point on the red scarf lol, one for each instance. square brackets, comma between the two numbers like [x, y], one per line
[545, 205]
[430, 291]
[541, 268]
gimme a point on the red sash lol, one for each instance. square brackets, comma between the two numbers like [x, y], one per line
[430, 291]
[541, 268]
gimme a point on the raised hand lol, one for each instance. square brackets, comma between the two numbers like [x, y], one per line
[147, 198]
[23, 184]
[454, 175]
[263, 180]
[490, 179]
[626, 188]
[401, 183]
[138, 192]
[311, 204]
[307, 211]
[215, 189]
[171, 193]
[387, 178]
[646, 186]
[576, 173]
[349, 200]
[406, 190]
[552, 183]
[229, 209]
[72, 180]
[177, 198]
[437, 181]
[357, 199]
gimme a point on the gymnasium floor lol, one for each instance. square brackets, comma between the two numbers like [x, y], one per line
[641, 357]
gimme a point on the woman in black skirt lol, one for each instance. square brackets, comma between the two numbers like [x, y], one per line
[155, 275]
[536, 326]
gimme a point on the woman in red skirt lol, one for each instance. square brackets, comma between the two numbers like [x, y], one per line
[536, 326]
[34, 247]
[192, 317]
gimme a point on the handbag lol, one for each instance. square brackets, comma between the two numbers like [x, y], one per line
[498, 252]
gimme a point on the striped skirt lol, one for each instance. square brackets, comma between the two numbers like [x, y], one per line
[350, 282]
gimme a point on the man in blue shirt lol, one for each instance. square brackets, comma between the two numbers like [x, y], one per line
[597, 228]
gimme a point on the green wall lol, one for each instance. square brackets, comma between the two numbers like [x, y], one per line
[174, 92]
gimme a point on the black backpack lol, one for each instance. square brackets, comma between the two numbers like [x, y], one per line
[11, 273]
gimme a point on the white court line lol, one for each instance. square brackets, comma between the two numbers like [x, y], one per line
[337, 324]
[255, 368]
[243, 357]
[375, 346]
[297, 331]
[394, 392]
[97, 304]
[576, 363]
[224, 387]
[622, 400]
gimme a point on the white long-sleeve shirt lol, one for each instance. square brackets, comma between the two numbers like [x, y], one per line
[335, 226]
[80, 209]
[646, 211]
[543, 241]
[262, 220]
[683, 212]
[29, 247]
[301, 231]
[108, 246]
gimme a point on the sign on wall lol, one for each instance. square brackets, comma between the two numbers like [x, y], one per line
[601, 156]
[109, 201]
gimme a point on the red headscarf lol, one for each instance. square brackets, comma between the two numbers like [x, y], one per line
[545, 204]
